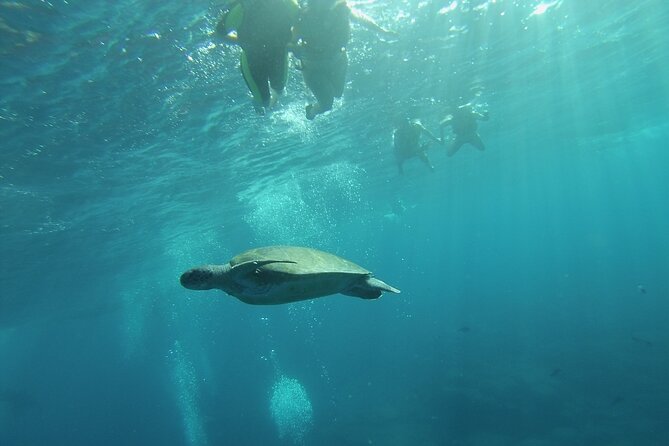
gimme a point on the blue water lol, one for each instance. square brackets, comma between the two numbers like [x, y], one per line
[534, 276]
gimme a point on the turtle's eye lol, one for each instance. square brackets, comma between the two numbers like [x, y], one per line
[196, 279]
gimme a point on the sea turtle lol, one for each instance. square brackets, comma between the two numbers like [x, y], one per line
[282, 274]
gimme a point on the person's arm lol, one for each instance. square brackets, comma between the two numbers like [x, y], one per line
[363, 19]
[444, 123]
[482, 116]
[430, 134]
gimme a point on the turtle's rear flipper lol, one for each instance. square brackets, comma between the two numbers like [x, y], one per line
[381, 285]
[371, 288]
[363, 292]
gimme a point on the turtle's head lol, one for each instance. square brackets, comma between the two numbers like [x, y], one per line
[204, 277]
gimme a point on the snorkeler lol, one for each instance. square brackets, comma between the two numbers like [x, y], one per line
[263, 28]
[321, 35]
[406, 142]
[464, 125]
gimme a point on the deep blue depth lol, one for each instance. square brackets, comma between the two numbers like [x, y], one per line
[534, 275]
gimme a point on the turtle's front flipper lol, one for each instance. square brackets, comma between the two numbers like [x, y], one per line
[369, 288]
[252, 279]
[250, 266]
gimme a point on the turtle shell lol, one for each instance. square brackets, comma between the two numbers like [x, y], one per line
[296, 260]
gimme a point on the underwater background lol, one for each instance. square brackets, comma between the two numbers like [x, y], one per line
[534, 275]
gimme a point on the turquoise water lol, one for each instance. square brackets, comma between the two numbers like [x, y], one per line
[534, 276]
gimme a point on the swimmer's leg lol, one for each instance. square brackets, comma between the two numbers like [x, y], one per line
[455, 147]
[477, 142]
[278, 74]
[326, 80]
[255, 76]
[339, 74]
[318, 82]
[426, 160]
